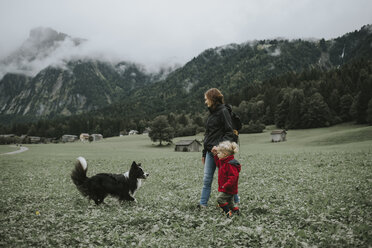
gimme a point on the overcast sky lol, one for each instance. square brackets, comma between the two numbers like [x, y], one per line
[162, 31]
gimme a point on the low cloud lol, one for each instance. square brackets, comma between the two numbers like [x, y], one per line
[24, 62]
[276, 52]
[35, 54]
[165, 32]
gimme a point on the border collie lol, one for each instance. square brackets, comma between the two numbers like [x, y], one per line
[98, 187]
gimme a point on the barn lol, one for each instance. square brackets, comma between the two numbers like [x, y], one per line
[97, 137]
[133, 132]
[188, 146]
[34, 139]
[278, 135]
[84, 137]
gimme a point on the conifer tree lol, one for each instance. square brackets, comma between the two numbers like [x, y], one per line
[345, 103]
[281, 115]
[295, 108]
[318, 111]
[369, 112]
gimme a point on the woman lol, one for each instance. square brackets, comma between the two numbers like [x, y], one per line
[218, 128]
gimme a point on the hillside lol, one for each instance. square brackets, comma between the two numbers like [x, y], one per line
[126, 90]
[81, 86]
[345, 136]
[66, 84]
[235, 67]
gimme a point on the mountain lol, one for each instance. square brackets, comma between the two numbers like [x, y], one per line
[234, 67]
[83, 85]
[43, 47]
[39, 82]
[126, 89]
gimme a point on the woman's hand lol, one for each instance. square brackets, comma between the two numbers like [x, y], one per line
[214, 150]
[203, 160]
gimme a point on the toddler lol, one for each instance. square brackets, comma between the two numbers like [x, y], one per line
[228, 176]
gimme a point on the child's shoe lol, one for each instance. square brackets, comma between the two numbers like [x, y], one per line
[224, 207]
[236, 211]
[229, 214]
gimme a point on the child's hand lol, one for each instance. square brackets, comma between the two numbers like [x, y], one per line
[214, 150]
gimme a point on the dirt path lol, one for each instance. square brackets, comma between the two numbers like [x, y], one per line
[21, 149]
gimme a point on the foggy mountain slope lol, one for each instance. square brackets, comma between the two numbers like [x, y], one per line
[49, 76]
[77, 85]
[234, 67]
[81, 86]
[43, 47]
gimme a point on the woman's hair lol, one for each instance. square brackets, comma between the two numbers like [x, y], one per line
[228, 147]
[215, 96]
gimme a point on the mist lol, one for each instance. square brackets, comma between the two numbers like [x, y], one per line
[167, 33]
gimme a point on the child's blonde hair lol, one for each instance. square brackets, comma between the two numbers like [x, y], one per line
[228, 147]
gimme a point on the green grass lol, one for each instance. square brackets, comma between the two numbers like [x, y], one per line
[7, 148]
[312, 190]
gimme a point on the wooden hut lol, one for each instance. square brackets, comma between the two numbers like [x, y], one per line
[133, 132]
[278, 135]
[34, 139]
[84, 137]
[188, 146]
[97, 137]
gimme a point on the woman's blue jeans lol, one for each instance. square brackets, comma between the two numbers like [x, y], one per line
[209, 169]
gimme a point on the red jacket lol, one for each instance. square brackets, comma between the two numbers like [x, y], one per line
[228, 174]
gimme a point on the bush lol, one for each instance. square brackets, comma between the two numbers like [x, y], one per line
[186, 131]
[253, 127]
[10, 140]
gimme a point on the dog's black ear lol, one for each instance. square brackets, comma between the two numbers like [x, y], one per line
[134, 163]
[139, 164]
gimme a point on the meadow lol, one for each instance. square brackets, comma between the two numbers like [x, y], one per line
[314, 190]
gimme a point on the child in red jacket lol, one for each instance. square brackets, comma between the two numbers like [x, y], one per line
[228, 176]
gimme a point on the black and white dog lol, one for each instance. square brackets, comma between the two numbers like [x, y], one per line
[122, 186]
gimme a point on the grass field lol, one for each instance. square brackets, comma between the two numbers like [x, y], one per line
[314, 190]
[7, 148]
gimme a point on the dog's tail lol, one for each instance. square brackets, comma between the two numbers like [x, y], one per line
[79, 175]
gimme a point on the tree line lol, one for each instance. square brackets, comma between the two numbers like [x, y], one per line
[313, 98]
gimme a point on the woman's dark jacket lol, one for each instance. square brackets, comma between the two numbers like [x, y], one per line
[218, 128]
